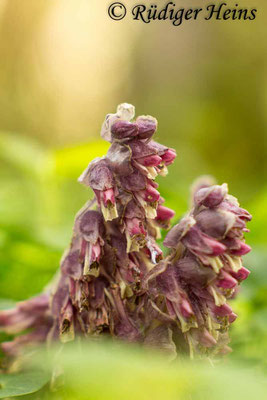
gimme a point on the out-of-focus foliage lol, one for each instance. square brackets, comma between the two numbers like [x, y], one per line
[13, 385]
[100, 371]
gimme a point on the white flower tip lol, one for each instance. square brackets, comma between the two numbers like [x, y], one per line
[126, 111]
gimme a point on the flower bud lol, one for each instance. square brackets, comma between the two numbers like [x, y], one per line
[97, 175]
[126, 111]
[214, 222]
[169, 156]
[90, 225]
[241, 275]
[232, 317]
[226, 281]
[202, 244]
[147, 126]
[223, 310]
[150, 194]
[243, 249]
[150, 161]
[164, 213]
[206, 339]
[124, 130]
[186, 309]
[211, 196]
[175, 235]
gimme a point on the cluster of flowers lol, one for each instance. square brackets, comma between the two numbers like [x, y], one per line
[113, 278]
[204, 270]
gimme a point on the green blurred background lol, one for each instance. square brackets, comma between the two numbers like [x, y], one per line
[64, 65]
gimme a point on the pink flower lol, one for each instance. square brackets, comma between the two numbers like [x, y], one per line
[135, 227]
[124, 130]
[150, 194]
[164, 213]
[169, 156]
[241, 275]
[242, 250]
[223, 310]
[226, 281]
[186, 309]
[95, 252]
[150, 161]
[108, 197]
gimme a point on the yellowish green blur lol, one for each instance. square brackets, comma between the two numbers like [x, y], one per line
[63, 65]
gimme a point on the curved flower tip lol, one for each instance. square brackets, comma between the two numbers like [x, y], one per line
[150, 195]
[226, 281]
[150, 161]
[242, 250]
[178, 232]
[186, 309]
[164, 213]
[124, 112]
[206, 339]
[169, 156]
[211, 196]
[147, 126]
[123, 130]
[222, 311]
[200, 183]
[241, 274]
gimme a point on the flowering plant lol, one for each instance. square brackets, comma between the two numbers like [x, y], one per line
[114, 279]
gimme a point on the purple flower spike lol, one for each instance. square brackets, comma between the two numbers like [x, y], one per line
[114, 279]
[206, 266]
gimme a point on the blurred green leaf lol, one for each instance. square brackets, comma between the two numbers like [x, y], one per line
[21, 384]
